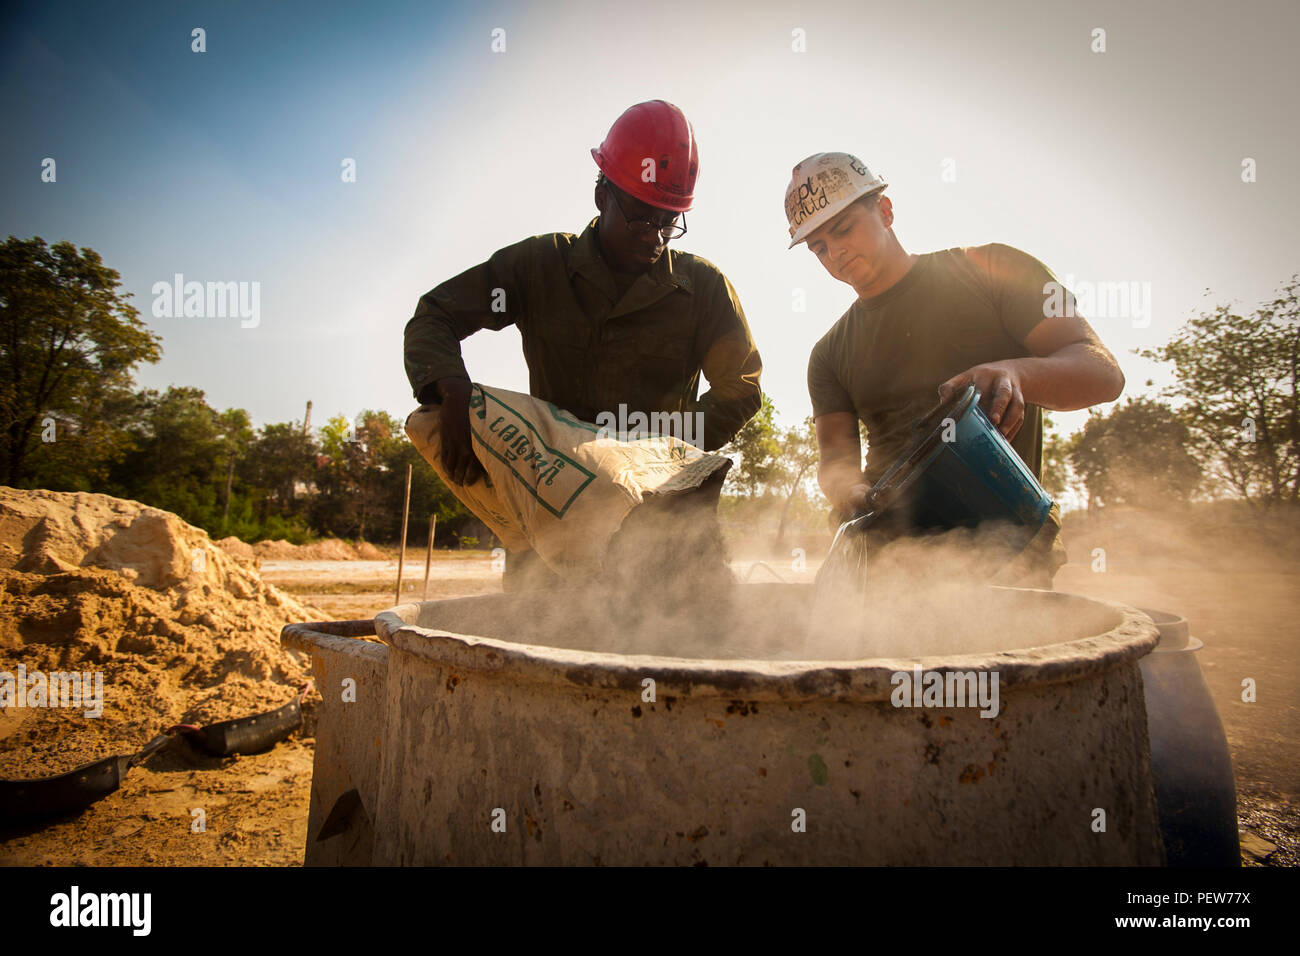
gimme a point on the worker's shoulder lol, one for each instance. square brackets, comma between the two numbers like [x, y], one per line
[701, 271]
[543, 243]
[991, 258]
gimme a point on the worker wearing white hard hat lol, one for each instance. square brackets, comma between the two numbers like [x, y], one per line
[925, 325]
[823, 186]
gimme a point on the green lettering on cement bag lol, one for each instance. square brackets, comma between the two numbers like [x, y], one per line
[550, 476]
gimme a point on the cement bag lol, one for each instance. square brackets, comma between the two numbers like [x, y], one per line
[556, 484]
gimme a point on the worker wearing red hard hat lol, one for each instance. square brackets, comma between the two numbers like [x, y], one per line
[651, 154]
[609, 318]
[924, 326]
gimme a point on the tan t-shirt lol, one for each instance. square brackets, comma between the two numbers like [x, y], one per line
[885, 359]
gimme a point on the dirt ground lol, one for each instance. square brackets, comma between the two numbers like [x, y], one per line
[345, 590]
[254, 813]
[1242, 602]
[1241, 597]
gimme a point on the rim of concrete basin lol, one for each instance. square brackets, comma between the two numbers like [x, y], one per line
[340, 636]
[1133, 635]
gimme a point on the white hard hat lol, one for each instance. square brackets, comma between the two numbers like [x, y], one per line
[823, 186]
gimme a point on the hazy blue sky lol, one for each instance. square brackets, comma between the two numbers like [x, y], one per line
[1123, 165]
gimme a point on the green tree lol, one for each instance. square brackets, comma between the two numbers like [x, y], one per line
[1139, 454]
[794, 468]
[1236, 382]
[280, 460]
[429, 496]
[85, 446]
[759, 446]
[363, 484]
[1057, 449]
[68, 346]
[354, 479]
[180, 455]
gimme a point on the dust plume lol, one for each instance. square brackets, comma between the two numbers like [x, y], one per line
[913, 596]
[666, 589]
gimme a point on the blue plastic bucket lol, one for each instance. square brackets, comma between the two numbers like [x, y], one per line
[957, 472]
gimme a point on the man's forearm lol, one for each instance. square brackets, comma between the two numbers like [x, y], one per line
[435, 393]
[837, 479]
[734, 370]
[1076, 376]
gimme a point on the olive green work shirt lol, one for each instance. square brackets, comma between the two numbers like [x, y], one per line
[885, 359]
[594, 340]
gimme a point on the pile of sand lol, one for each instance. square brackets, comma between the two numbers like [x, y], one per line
[239, 549]
[280, 550]
[329, 549]
[181, 630]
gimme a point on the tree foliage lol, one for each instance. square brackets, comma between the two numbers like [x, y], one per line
[281, 460]
[1057, 449]
[74, 421]
[180, 453]
[69, 342]
[796, 468]
[1236, 386]
[1138, 454]
[759, 446]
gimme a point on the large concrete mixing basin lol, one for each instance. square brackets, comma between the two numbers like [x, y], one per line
[507, 732]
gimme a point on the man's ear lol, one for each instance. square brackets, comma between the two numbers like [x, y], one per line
[886, 210]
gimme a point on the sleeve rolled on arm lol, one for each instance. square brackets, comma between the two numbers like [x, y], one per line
[731, 364]
[488, 296]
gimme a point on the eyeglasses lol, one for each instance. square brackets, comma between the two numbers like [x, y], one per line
[669, 230]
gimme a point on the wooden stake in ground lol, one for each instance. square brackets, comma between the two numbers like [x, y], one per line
[428, 555]
[401, 555]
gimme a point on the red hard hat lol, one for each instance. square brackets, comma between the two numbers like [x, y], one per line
[650, 153]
